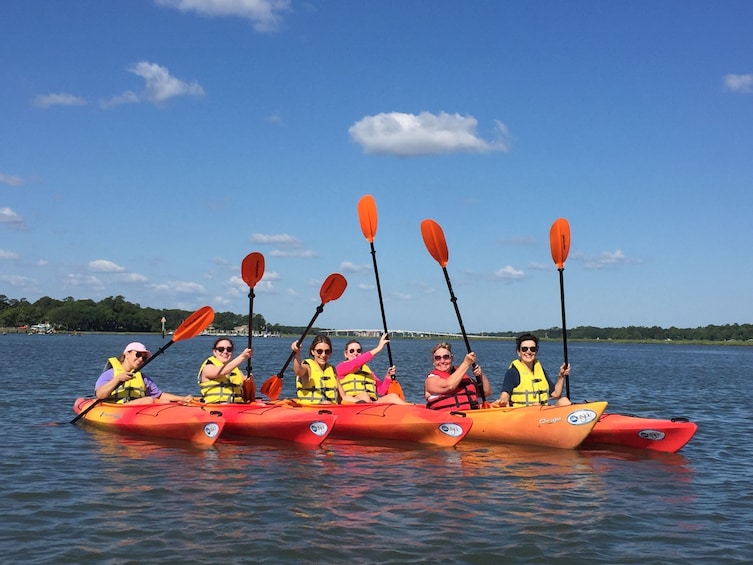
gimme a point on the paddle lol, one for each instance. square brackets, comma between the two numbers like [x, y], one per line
[435, 242]
[559, 242]
[367, 216]
[191, 327]
[332, 289]
[252, 270]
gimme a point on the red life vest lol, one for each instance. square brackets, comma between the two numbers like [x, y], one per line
[464, 397]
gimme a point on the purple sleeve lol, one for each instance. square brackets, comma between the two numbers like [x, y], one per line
[104, 378]
[151, 388]
[347, 367]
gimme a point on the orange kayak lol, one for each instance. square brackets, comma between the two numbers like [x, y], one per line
[275, 421]
[399, 422]
[549, 426]
[644, 433]
[170, 420]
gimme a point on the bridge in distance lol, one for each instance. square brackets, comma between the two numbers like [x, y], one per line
[415, 334]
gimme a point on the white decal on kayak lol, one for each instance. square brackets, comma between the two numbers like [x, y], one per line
[318, 428]
[580, 417]
[452, 430]
[211, 429]
[654, 435]
[549, 420]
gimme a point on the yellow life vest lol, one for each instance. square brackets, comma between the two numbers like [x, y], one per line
[533, 387]
[360, 381]
[132, 389]
[322, 387]
[226, 389]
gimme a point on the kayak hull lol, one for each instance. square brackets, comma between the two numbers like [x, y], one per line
[547, 426]
[398, 422]
[642, 433]
[279, 422]
[168, 420]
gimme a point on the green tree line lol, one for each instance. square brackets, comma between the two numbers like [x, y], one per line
[112, 314]
[727, 332]
[116, 314]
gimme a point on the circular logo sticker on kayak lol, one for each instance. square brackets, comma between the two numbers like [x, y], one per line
[212, 429]
[452, 430]
[580, 417]
[654, 435]
[318, 428]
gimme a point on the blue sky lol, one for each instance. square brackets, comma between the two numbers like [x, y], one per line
[148, 145]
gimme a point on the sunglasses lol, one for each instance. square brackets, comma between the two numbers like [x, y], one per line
[141, 355]
[533, 349]
[223, 349]
[355, 350]
[322, 351]
[445, 357]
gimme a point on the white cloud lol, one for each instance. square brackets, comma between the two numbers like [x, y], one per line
[128, 97]
[292, 253]
[161, 85]
[130, 278]
[606, 259]
[18, 281]
[281, 238]
[348, 267]
[181, 287]
[58, 99]
[7, 254]
[739, 83]
[508, 273]
[8, 216]
[88, 281]
[105, 266]
[401, 134]
[266, 15]
[11, 180]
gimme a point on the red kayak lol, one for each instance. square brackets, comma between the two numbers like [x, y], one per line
[169, 420]
[644, 433]
[400, 422]
[274, 421]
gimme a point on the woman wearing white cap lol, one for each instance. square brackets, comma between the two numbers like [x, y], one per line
[122, 382]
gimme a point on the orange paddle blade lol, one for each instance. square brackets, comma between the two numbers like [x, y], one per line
[332, 287]
[367, 215]
[249, 390]
[559, 241]
[194, 324]
[435, 241]
[252, 268]
[272, 387]
[396, 389]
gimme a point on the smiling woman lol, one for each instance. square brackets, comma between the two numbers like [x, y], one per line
[451, 388]
[526, 383]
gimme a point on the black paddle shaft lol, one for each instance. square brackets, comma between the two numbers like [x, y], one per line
[454, 300]
[381, 302]
[319, 310]
[564, 328]
[251, 296]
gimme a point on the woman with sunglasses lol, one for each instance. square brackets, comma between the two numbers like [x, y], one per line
[358, 381]
[122, 382]
[526, 382]
[451, 388]
[219, 378]
[316, 380]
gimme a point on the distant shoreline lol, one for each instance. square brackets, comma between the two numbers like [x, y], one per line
[453, 337]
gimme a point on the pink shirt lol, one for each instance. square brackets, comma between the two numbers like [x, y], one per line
[348, 367]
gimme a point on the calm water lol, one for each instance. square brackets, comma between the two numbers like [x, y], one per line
[75, 495]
